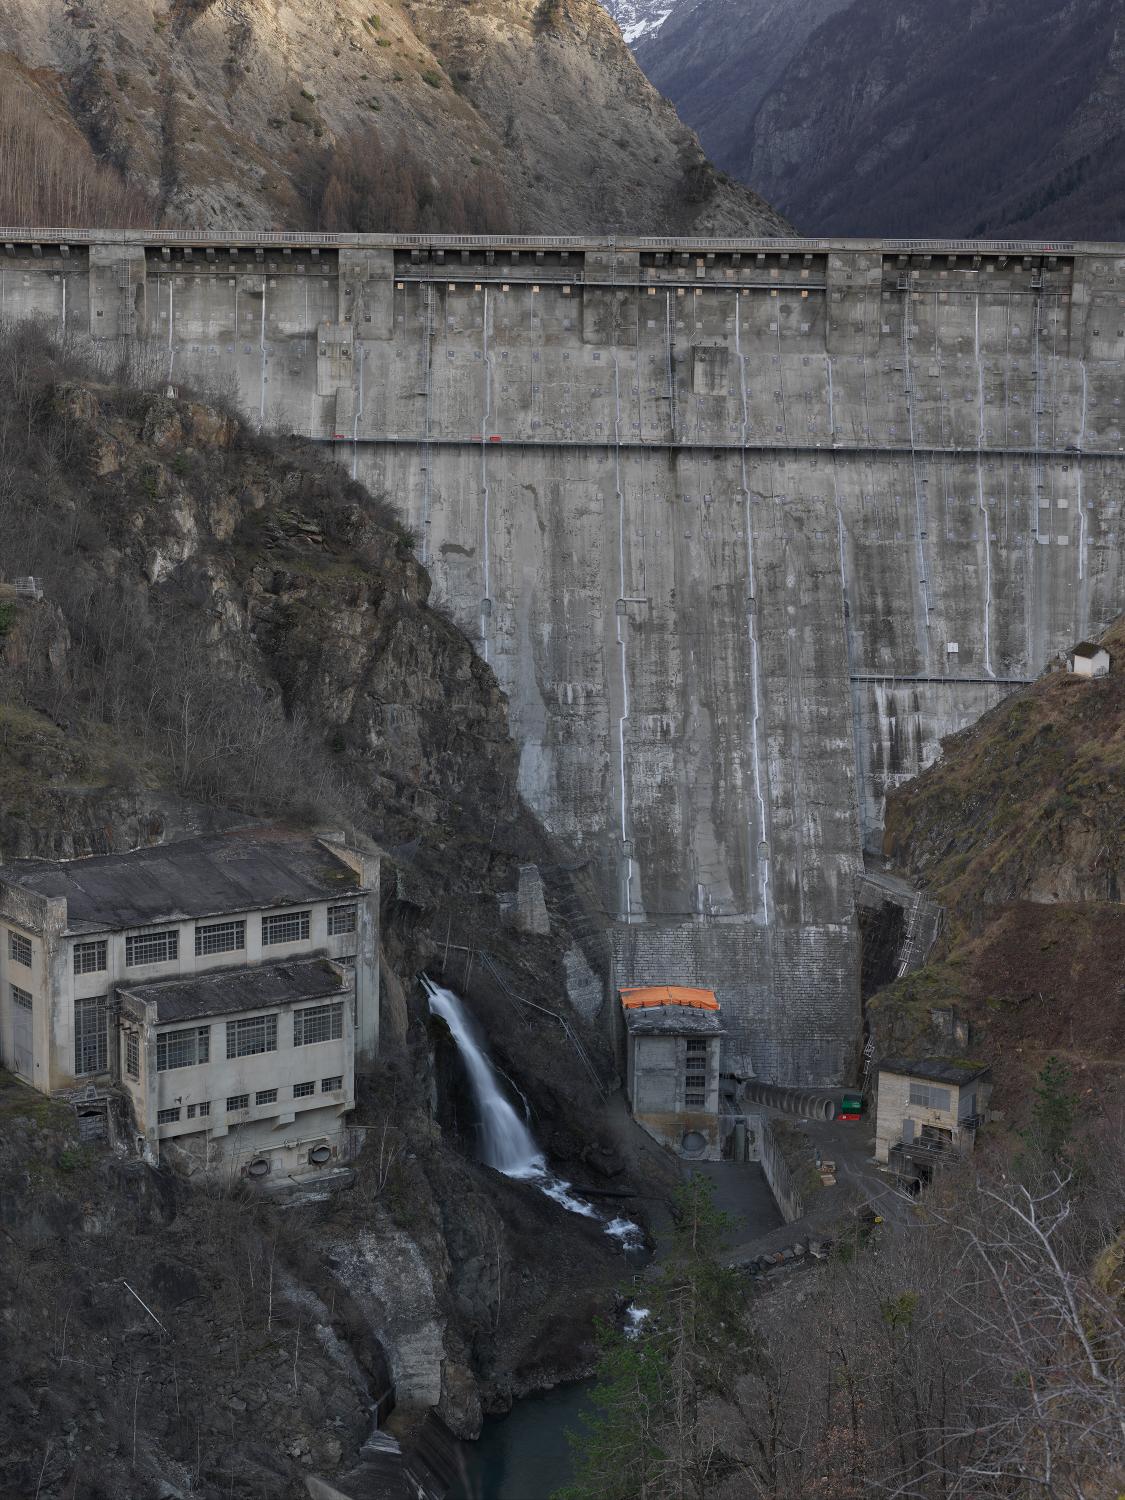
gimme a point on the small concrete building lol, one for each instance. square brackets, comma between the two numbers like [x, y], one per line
[673, 1038]
[928, 1111]
[1088, 659]
[223, 986]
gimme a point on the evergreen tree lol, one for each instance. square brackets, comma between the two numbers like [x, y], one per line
[647, 1438]
[1054, 1111]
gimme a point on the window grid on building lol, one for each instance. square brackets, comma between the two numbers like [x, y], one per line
[90, 958]
[220, 937]
[152, 947]
[330, 1085]
[235, 1102]
[183, 1049]
[133, 1054]
[250, 1035]
[927, 1096]
[91, 1036]
[167, 1116]
[199, 1109]
[695, 1074]
[318, 1023]
[285, 927]
[266, 1096]
[19, 949]
[341, 919]
[303, 1090]
[21, 997]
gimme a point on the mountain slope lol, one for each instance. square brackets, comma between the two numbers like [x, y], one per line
[973, 117]
[521, 114]
[1019, 831]
[718, 59]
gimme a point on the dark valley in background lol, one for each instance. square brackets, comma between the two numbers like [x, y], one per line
[905, 117]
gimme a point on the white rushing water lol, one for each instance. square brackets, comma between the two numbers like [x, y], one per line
[506, 1142]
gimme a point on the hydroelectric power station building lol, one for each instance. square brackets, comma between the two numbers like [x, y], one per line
[222, 987]
[744, 528]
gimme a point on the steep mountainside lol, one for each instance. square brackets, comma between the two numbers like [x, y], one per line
[521, 114]
[229, 628]
[1019, 831]
[718, 59]
[972, 117]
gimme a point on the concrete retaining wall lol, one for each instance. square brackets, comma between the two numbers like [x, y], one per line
[744, 528]
[785, 1191]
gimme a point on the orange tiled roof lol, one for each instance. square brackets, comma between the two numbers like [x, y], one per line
[641, 997]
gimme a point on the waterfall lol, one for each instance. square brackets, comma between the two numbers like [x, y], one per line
[506, 1142]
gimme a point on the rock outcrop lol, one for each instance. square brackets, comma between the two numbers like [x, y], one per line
[242, 113]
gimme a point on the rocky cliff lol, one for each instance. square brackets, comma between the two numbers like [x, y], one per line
[231, 629]
[509, 114]
[1019, 831]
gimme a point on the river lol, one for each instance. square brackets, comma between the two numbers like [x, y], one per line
[525, 1455]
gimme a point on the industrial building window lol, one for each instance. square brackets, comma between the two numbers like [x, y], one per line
[132, 1054]
[286, 927]
[90, 958]
[319, 1023]
[91, 1038]
[183, 1049]
[929, 1097]
[341, 919]
[220, 937]
[152, 947]
[21, 997]
[167, 1116]
[303, 1090]
[253, 1034]
[266, 1096]
[199, 1109]
[695, 1075]
[19, 949]
[236, 1102]
[330, 1085]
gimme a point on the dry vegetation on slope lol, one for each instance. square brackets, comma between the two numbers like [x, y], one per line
[1019, 831]
[530, 114]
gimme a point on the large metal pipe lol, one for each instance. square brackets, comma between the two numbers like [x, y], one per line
[790, 1101]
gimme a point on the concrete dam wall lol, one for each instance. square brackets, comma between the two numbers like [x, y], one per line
[744, 528]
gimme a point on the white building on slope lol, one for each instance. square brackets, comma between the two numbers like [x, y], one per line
[223, 987]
